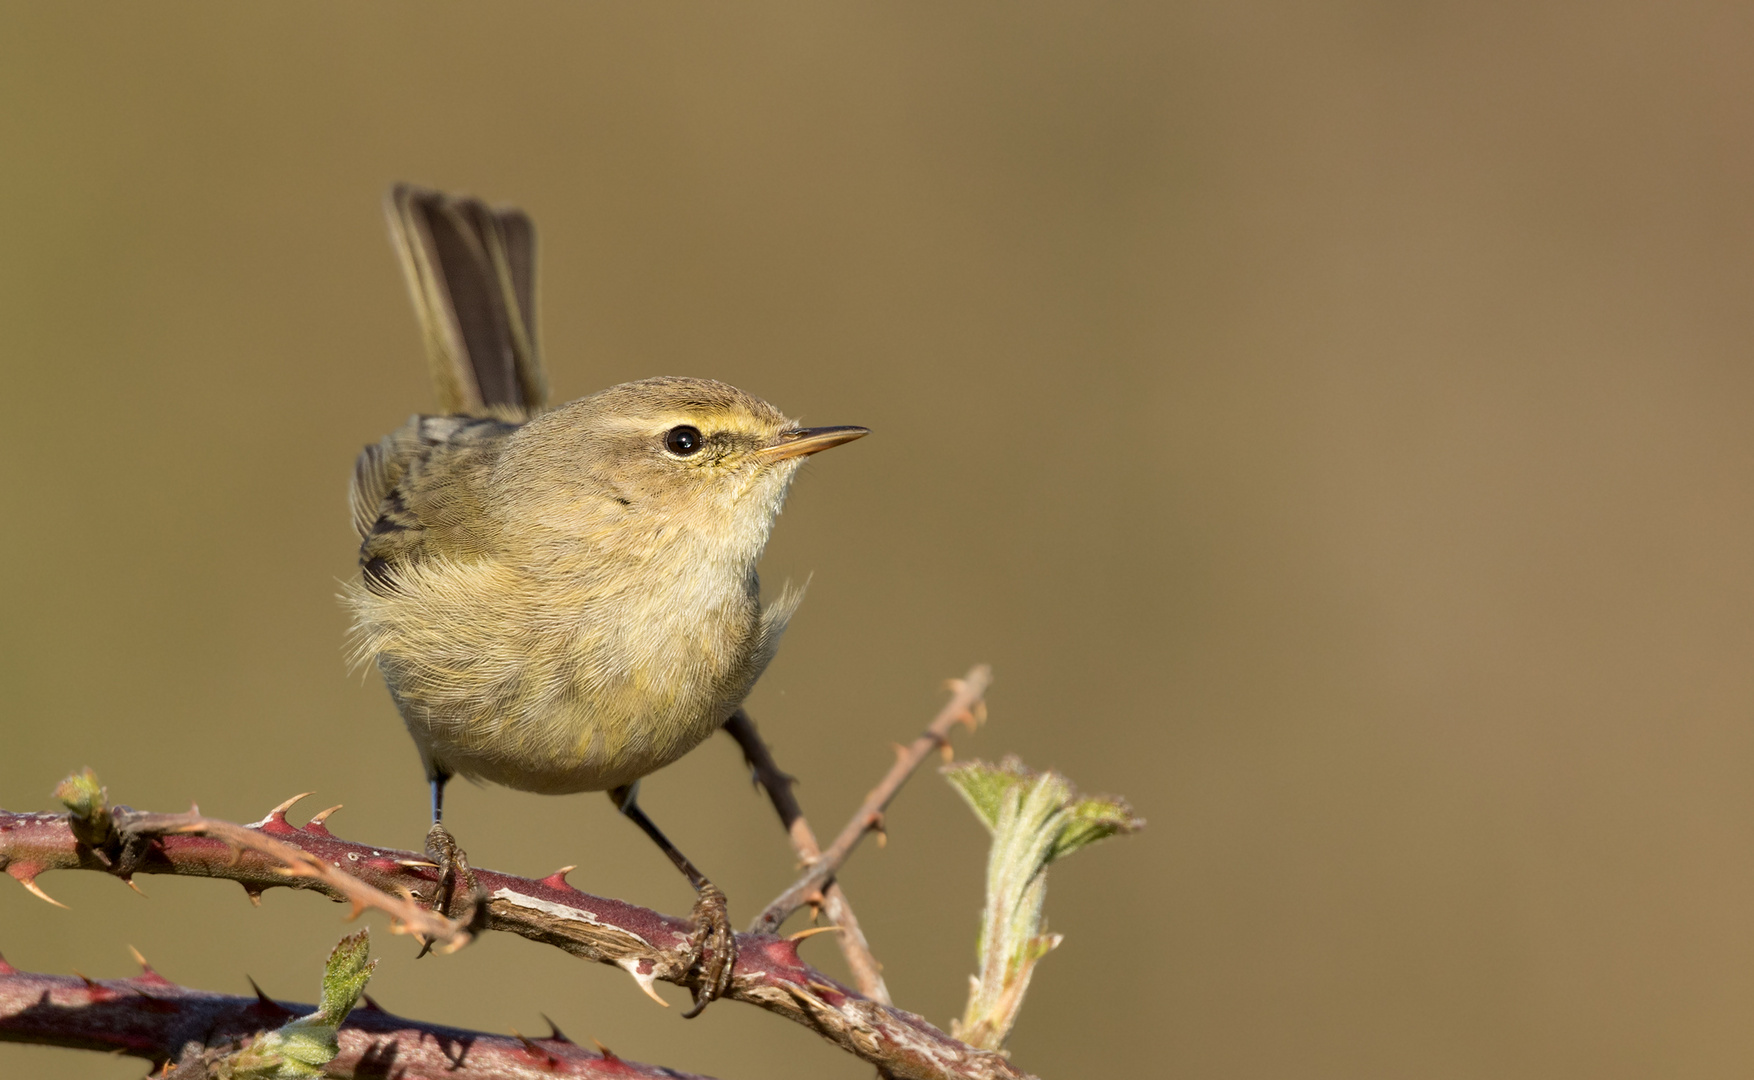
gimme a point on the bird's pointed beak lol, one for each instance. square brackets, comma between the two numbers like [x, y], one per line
[810, 440]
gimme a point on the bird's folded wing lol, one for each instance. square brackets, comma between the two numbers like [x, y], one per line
[420, 493]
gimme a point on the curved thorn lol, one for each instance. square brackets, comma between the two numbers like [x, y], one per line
[290, 803]
[262, 998]
[315, 824]
[147, 975]
[37, 891]
[554, 1032]
[631, 966]
[530, 1045]
[558, 880]
[811, 932]
[275, 820]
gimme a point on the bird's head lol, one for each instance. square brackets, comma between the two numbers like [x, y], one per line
[689, 458]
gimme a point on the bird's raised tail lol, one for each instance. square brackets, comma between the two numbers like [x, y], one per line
[471, 272]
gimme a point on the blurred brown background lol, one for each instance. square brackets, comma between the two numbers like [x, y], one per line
[1332, 422]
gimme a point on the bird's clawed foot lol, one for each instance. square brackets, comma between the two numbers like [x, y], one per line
[714, 946]
[459, 895]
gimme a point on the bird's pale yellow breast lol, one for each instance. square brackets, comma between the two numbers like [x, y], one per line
[565, 605]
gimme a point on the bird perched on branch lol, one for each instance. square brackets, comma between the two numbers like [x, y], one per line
[562, 599]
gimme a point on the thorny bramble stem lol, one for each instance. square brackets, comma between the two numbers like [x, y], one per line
[150, 1017]
[646, 944]
[867, 972]
[966, 706]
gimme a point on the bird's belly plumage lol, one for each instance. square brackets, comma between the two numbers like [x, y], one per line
[583, 689]
[575, 736]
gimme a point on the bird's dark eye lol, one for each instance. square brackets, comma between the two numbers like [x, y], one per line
[682, 440]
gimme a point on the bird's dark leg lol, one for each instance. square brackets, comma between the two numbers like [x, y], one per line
[714, 945]
[458, 892]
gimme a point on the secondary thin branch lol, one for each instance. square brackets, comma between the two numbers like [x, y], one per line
[867, 972]
[966, 706]
[150, 1017]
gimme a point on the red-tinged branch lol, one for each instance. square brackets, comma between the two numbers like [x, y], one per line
[867, 972]
[407, 916]
[647, 945]
[966, 706]
[150, 1017]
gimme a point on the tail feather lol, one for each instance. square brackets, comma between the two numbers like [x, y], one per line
[471, 273]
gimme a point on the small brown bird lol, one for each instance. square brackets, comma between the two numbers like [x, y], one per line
[562, 600]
